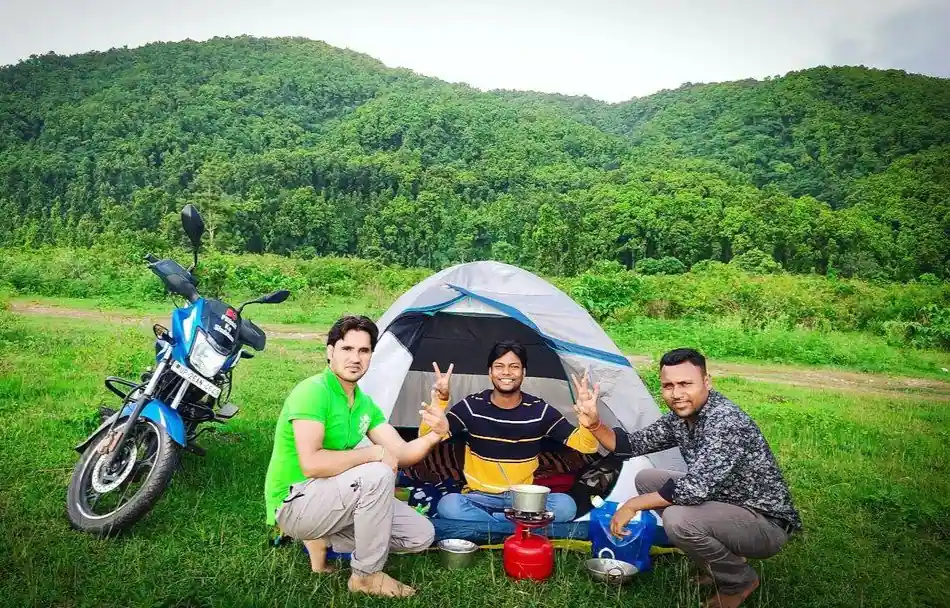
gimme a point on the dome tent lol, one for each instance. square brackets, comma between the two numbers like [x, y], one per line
[456, 315]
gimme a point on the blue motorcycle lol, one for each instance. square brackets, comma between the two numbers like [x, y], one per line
[128, 462]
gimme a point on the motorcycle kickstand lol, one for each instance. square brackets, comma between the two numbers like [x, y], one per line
[193, 447]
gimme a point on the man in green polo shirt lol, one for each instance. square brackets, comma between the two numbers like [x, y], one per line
[322, 489]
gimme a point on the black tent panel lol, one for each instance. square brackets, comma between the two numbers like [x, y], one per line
[466, 340]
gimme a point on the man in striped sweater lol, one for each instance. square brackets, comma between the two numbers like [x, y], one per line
[504, 428]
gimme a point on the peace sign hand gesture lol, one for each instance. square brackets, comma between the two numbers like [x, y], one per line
[586, 403]
[441, 386]
[433, 416]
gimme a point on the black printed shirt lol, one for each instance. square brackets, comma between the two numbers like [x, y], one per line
[727, 457]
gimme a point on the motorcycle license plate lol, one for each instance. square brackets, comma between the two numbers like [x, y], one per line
[195, 379]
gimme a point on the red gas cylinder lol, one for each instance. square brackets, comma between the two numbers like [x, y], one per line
[528, 555]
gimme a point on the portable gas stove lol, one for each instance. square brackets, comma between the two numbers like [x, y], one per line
[529, 519]
[526, 555]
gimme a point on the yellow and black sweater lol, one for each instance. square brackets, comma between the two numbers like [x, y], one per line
[508, 439]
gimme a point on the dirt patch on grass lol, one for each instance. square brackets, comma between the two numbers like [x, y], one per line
[823, 378]
[807, 377]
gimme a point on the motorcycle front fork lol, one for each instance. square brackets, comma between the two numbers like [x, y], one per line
[119, 435]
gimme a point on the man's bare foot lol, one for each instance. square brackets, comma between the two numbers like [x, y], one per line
[721, 600]
[379, 583]
[704, 578]
[317, 549]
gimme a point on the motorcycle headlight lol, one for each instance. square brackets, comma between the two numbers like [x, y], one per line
[204, 357]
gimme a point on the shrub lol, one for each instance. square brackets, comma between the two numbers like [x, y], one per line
[602, 294]
[755, 261]
[908, 314]
[667, 265]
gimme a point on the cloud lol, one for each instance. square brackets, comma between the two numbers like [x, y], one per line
[916, 39]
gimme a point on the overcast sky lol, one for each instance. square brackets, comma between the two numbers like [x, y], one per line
[610, 50]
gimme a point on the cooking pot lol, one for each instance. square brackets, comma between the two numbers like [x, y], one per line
[528, 498]
[457, 553]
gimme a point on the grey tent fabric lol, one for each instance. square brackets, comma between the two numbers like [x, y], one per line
[457, 314]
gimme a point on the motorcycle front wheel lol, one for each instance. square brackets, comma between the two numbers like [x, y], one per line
[105, 501]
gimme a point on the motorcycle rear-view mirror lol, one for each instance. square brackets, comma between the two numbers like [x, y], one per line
[275, 298]
[193, 224]
[272, 298]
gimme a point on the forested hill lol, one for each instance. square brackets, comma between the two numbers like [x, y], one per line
[293, 146]
[810, 132]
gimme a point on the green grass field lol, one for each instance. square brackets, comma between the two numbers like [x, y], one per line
[870, 474]
[724, 339]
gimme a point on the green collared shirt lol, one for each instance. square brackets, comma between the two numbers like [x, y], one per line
[319, 398]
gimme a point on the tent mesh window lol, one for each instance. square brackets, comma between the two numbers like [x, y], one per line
[465, 341]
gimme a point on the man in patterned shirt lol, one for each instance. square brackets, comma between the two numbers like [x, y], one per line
[732, 502]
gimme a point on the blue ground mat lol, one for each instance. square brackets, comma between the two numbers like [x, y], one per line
[484, 533]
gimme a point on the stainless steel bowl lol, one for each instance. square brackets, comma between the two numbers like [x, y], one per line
[610, 571]
[457, 553]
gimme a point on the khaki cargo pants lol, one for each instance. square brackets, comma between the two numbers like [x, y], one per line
[357, 512]
[716, 535]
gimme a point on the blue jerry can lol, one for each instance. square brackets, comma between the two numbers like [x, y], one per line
[633, 548]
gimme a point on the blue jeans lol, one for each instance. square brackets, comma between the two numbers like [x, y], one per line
[478, 506]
